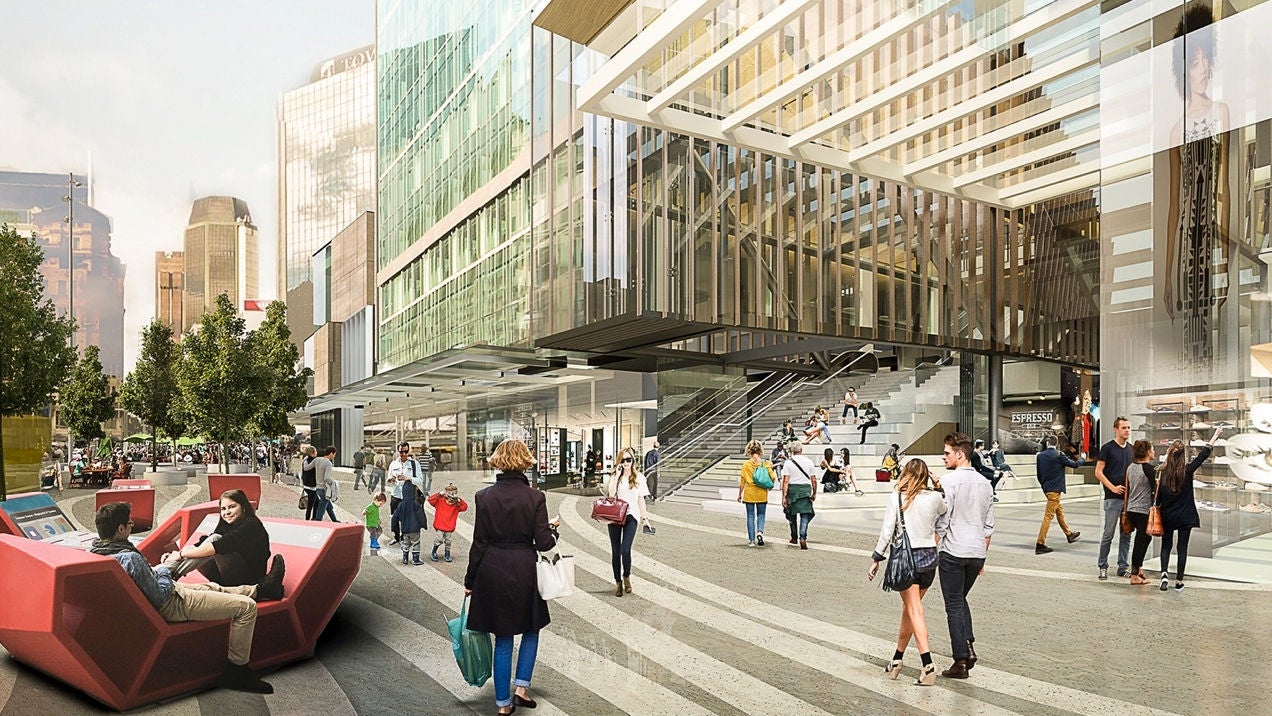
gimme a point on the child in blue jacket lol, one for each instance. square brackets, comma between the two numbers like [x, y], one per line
[408, 520]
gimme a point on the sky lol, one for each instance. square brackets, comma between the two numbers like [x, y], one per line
[172, 101]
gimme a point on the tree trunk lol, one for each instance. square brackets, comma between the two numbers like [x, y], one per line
[4, 485]
[154, 449]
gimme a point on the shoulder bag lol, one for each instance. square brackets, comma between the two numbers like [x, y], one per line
[610, 509]
[900, 572]
[1127, 526]
[1155, 514]
[762, 476]
[555, 575]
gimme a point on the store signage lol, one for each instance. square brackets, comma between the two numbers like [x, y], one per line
[345, 63]
[1042, 418]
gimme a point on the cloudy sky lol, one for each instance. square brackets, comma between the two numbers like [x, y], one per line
[172, 100]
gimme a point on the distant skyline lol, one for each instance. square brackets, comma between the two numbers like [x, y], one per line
[172, 102]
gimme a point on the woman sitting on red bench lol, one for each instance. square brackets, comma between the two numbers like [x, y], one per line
[238, 549]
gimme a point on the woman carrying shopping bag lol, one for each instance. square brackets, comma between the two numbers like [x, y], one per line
[510, 526]
[753, 494]
[914, 508]
[627, 484]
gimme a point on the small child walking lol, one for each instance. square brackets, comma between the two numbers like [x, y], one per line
[371, 517]
[446, 508]
[408, 520]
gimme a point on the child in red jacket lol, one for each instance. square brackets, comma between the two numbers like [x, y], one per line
[446, 509]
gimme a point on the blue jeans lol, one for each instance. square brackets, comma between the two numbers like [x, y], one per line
[621, 537]
[958, 574]
[755, 518]
[800, 532]
[427, 477]
[503, 665]
[322, 505]
[312, 506]
[1112, 526]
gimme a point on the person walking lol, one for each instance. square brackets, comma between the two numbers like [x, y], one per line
[427, 464]
[651, 473]
[870, 418]
[799, 491]
[921, 506]
[1051, 464]
[510, 525]
[1178, 505]
[325, 479]
[360, 467]
[965, 531]
[1140, 481]
[752, 496]
[379, 469]
[309, 481]
[627, 484]
[409, 520]
[404, 468]
[1110, 470]
[850, 403]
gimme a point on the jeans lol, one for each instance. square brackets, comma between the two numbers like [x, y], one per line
[502, 667]
[377, 477]
[358, 477]
[848, 407]
[1112, 526]
[1053, 510]
[802, 519]
[311, 506]
[323, 505]
[393, 505]
[958, 574]
[426, 477]
[621, 537]
[1168, 536]
[755, 518]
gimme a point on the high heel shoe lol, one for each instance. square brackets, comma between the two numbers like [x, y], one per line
[893, 669]
[927, 676]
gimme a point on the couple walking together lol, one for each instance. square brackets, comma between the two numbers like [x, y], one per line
[949, 535]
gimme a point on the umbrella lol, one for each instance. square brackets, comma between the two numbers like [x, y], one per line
[137, 438]
[187, 442]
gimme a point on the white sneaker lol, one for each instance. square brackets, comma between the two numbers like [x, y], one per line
[1200, 425]
[751, 543]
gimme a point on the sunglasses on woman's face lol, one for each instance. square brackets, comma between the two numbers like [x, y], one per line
[627, 459]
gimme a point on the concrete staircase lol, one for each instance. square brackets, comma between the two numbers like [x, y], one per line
[716, 489]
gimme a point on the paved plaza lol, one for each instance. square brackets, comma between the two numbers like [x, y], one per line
[715, 627]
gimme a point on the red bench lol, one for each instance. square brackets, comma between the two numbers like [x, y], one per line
[127, 483]
[142, 500]
[77, 617]
[250, 484]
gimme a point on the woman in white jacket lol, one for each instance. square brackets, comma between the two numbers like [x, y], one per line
[627, 484]
[922, 505]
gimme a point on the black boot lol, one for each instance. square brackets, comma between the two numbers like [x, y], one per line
[971, 656]
[241, 678]
[957, 670]
[433, 556]
[271, 587]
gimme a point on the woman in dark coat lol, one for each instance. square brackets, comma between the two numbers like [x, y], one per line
[238, 549]
[1178, 504]
[511, 525]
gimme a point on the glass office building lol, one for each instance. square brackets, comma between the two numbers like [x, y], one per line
[326, 173]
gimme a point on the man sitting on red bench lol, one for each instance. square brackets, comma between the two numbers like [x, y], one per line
[178, 602]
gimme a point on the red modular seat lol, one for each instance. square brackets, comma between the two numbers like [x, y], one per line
[77, 617]
[142, 500]
[129, 484]
[250, 484]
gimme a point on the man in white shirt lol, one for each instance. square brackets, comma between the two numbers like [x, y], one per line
[799, 490]
[403, 468]
[965, 530]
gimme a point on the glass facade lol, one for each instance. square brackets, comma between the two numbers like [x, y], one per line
[1186, 195]
[453, 221]
[327, 171]
[633, 221]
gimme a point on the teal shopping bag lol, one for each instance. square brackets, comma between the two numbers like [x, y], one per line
[473, 650]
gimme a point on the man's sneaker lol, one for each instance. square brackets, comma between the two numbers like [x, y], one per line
[1041, 548]
[1123, 571]
[1073, 537]
[759, 538]
[750, 543]
[1179, 586]
[271, 587]
[1104, 573]
[1165, 582]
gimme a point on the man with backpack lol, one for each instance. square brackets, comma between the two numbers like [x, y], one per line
[360, 466]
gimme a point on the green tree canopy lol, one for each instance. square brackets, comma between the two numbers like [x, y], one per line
[87, 400]
[284, 379]
[35, 350]
[220, 382]
[150, 391]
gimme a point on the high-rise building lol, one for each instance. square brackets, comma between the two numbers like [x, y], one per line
[326, 171]
[221, 256]
[37, 202]
[170, 289]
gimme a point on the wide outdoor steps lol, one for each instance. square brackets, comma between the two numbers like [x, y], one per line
[716, 489]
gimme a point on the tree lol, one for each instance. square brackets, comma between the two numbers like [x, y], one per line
[150, 391]
[87, 400]
[35, 350]
[284, 380]
[218, 379]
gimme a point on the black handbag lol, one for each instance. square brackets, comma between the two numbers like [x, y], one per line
[900, 572]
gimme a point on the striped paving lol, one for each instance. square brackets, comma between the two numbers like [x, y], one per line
[716, 628]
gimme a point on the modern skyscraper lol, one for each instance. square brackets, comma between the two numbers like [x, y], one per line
[169, 289]
[326, 171]
[37, 201]
[221, 256]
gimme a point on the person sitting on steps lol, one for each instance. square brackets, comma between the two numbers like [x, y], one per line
[869, 419]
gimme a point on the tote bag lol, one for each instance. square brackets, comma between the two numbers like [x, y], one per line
[555, 575]
[473, 649]
[899, 574]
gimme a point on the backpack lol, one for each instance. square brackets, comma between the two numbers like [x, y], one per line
[762, 477]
